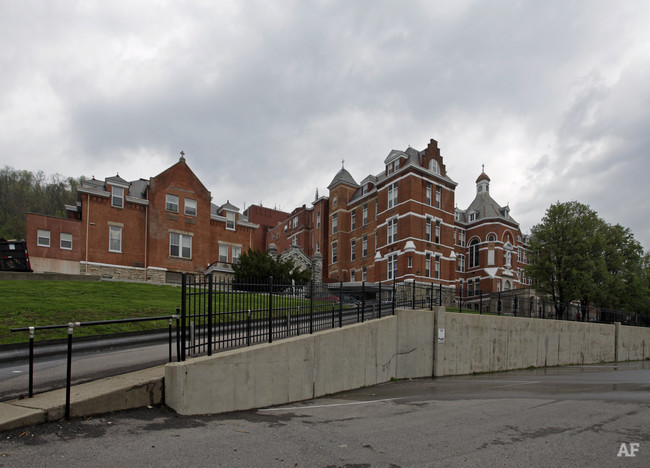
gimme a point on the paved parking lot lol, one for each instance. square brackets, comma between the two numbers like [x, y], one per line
[571, 416]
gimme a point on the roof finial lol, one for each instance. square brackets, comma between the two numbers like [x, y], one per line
[182, 155]
[482, 167]
[343, 164]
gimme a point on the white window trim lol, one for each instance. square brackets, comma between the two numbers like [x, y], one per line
[40, 234]
[61, 240]
[188, 204]
[112, 229]
[181, 236]
[117, 193]
[169, 200]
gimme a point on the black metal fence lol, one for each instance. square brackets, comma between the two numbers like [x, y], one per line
[217, 315]
[523, 303]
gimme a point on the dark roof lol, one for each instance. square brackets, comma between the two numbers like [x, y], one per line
[343, 177]
[482, 176]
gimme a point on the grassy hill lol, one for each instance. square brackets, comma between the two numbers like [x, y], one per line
[38, 303]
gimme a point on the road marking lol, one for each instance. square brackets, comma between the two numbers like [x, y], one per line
[286, 408]
[495, 381]
[17, 372]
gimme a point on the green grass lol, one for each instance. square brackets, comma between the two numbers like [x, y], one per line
[40, 303]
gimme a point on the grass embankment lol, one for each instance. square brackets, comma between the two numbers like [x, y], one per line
[38, 303]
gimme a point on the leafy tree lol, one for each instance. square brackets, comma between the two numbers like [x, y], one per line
[258, 267]
[23, 191]
[579, 257]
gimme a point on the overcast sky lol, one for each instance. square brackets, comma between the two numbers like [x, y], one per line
[267, 98]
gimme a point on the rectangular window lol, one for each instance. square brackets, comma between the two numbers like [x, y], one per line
[392, 195]
[392, 230]
[115, 239]
[223, 253]
[365, 214]
[461, 237]
[437, 266]
[318, 220]
[428, 230]
[171, 203]
[295, 221]
[190, 207]
[427, 265]
[353, 219]
[410, 262]
[352, 276]
[236, 253]
[470, 288]
[461, 263]
[117, 200]
[428, 197]
[392, 266]
[180, 245]
[317, 246]
[437, 231]
[353, 249]
[438, 196]
[43, 238]
[335, 223]
[364, 246]
[230, 220]
[477, 286]
[66, 241]
[364, 274]
[294, 240]
[334, 252]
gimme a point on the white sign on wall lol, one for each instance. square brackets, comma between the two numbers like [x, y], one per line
[441, 335]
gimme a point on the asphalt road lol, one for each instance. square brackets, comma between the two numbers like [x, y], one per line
[571, 416]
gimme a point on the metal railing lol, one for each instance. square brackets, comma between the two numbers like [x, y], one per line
[217, 315]
[71, 326]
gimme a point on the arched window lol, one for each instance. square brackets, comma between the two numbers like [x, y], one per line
[491, 238]
[473, 253]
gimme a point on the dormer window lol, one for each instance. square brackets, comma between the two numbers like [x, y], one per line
[433, 166]
[397, 164]
[117, 199]
[230, 220]
[472, 216]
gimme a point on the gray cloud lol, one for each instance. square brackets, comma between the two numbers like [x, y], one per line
[267, 98]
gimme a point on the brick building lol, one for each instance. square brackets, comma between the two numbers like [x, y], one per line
[152, 230]
[402, 225]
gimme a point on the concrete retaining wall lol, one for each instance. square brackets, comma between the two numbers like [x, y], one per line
[406, 345]
[488, 343]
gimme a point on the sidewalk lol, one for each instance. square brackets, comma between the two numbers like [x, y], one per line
[133, 390]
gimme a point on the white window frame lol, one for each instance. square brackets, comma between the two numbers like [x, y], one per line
[427, 265]
[334, 252]
[335, 223]
[230, 220]
[236, 253]
[392, 195]
[437, 267]
[184, 241]
[223, 253]
[392, 266]
[428, 194]
[115, 239]
[364, 274]
[460, 266]
[318, 220]
[438, 196]
[43, 235]
[190, 208]
[391, 230]
[353, 249]
[171, 203]
[117, 197]
[427, 229]
[364, 246]
[65, 241]
[353, 219]
[365, 215]
[437, 231]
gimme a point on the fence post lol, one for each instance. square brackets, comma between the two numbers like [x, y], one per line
[311, 309]
[183, 315]
[439, 295]
[340, 306]
[31, 362]
[270, 309]
[394, 298]
[68, 378]
[210, 315]
[413, 302]
[170, 340]
[480, 302]
[363, 301]
[499, 304]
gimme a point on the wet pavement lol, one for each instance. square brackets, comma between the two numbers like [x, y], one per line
[568, 416]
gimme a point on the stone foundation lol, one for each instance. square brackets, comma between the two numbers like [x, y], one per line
[124, 273]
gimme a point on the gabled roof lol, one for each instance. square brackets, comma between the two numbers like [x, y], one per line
[486, 208]
[343, 177]
[118, 181]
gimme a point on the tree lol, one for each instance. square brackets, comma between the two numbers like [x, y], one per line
[579, 257]
[258, 267]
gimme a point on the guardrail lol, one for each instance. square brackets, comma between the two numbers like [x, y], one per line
[71, 326]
